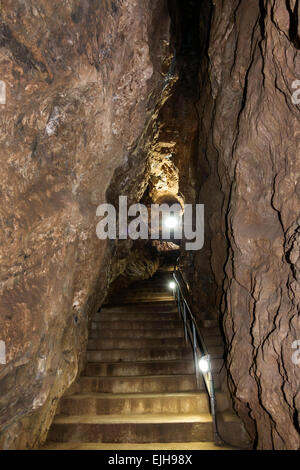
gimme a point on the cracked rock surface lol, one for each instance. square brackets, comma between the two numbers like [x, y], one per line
[249, 156]
[82, 80]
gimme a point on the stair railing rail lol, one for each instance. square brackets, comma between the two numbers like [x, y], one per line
[193, 334]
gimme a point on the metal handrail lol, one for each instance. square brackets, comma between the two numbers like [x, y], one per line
[200, 351]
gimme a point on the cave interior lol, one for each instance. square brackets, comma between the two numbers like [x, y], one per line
[185, 102]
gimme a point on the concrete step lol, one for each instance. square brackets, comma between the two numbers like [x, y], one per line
[141, 307]
[137, 345]
[116, 355]
[216, 351]
[136, 325]
[211, 331]
[159, 282]
[152, 286]
[132, 343]
[133, 447]
[103, 403]
[143, 298]
[214, 341]
[208, 323]
[135, 384]
[133, 428]
[150, 295]
[154, 333]
[135, 316]
[155, 287]
[143, 428]
[109, 369]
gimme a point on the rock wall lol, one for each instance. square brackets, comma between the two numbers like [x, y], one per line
[82, 81]
[249, 177]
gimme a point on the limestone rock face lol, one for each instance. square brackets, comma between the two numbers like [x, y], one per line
[249, 160]
[82, 80]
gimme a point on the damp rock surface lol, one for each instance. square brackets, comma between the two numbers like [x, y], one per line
[82, 80]
[250, 170]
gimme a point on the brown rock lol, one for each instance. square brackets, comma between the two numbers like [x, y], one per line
[249, 150]
[78, 79]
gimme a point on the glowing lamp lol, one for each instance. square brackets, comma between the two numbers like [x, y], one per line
[171, 222]
[204, 364]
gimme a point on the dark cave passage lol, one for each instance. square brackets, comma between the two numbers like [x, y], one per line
[176, 102]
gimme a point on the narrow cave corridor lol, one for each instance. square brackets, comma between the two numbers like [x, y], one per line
[139, 388]
[150, 242]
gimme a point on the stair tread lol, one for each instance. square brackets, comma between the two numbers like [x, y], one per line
[226, 416]
[136, 376]
[134, 418]
[141, 321]
[156, 361]
[136, 331]
[127, 446]
[155, 324]
[151, 311]
[161, 304]
[165, 303]
[136, 299]
[116, 396]
[143, 349]
[144, 354]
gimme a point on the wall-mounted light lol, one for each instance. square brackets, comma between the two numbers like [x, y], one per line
[204, 364]
[172, 285]
[171, 222]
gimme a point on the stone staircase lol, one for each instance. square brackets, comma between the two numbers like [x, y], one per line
[138, 390]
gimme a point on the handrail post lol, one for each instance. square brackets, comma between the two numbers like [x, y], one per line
[178, 300]
[184, 311]
[217, 439]
[195, 355]
[184, 319]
